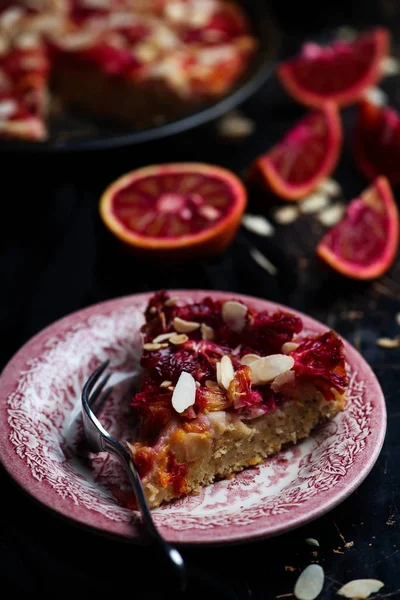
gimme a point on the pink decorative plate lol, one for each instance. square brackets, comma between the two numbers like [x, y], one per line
[40, 399]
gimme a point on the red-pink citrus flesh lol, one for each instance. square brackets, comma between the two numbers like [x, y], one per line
[364, 243]
[306, 155]
[180, 210]
[377, 142]
[339, 72]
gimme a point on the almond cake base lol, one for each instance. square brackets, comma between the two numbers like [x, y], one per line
[232, 444]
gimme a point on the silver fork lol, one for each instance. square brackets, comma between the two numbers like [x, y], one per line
[99, 440]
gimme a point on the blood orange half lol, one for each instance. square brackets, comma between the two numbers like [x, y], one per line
[306, 155]
[180, 210]
[364, 243]
[377, 141]
[339, 72]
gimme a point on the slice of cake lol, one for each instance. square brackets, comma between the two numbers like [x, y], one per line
[224, 387]
[141, 62]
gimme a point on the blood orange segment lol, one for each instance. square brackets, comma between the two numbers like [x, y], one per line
[306, 155]
[364, 243]
[182, 209]
[339, 72]
[377, 142]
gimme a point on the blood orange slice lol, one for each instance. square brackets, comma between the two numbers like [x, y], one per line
[180, 210]
[340, 72]
[377, 141]
[364, 243]
[306, 155]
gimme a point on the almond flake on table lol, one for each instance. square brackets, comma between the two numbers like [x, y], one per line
[331, 215]
[312, 542]
[310, 583]
[330, 187]
[257, 224]
[263, 261]
[386, 342]
[359, 589]
[314, 203]
[184, 394]
[390, 66]
[376, 96]
[286, 215]
[235, 125]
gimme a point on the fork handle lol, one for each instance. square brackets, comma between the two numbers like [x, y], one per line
[115, 447]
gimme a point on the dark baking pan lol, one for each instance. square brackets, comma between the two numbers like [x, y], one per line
[72, 132]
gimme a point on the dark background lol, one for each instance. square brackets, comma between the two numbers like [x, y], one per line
[56, 257]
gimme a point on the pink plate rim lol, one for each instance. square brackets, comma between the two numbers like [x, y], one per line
[265, 526]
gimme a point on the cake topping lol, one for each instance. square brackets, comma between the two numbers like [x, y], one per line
[207, 332]
[183, 326]
[289, 347]
[184, 394]
[178, 339]
[264, 370]
[234, 315]
[225, 372]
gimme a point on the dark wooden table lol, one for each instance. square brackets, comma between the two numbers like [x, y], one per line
[56, 257]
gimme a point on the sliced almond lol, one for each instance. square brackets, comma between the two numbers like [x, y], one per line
[227, 372]
[331, 215]
[207, 332]
[257, 224]
[283, 379]
[314, 203]
[235, 125]
[286, 215]
[178, 339]
[171, 301]
[27, 41]
[234, 315]
[151, 347]
[162, 337]
[330, 187]
[7, 108]
[266, 369]
[218, 374]
[360, 588]
[376, 95]
[247, 359]
[75, 41]
[289, 347]
[310, 583]
[165, 384]
[388, 342]
[182, 326]
[184, 394]
[390, 66]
